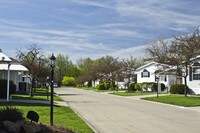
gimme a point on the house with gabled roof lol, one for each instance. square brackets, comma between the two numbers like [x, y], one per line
[193, 79]
[153, 71]
[17, 72]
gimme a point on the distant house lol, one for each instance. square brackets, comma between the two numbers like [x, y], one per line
[18, 73]
[154, 71]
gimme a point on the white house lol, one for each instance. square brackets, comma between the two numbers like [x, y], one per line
[18, 73]
[193, 79]
[154, 71]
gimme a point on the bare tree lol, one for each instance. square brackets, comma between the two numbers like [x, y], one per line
[34, 60]
[178, 52]
[128, 68]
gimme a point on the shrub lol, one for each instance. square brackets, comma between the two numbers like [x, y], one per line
[132, 87]
[137, 87]
[177, 89]
[101, 86]
[10, 114]
[79, 85]
[3, 88]
[155, 87]
[114, 85]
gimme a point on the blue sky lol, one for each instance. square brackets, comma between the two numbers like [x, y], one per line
[93, 28]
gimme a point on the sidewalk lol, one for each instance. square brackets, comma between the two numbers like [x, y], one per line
[143, 96]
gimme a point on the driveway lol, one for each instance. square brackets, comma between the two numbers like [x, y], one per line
[115, 114]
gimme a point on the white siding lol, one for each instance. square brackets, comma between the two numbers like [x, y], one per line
[150, 69]
[194, 85]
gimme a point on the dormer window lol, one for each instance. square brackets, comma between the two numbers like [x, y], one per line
[145, 73]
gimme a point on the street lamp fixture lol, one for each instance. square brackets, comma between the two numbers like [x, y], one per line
[52, 63]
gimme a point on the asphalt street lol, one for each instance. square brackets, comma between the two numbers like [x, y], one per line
[107, 113]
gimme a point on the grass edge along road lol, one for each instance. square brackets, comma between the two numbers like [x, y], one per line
[63, 116]
[132, 93]
[179, 100]
[39, 94]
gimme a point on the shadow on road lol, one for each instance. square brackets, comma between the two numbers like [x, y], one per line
[68, 94]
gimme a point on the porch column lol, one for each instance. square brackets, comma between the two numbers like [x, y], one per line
[8, 82]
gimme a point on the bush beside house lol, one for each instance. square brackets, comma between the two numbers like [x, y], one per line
[137, 87]
[3, 88]
[155, 87]
[177, 89]
[132, 87]
[106, 86]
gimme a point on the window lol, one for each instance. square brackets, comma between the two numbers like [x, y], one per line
[196, 73]
[163, 78]
[145, 73]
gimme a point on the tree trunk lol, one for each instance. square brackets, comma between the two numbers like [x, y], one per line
[185, 78]
[94, 84]
[32, 86]
[186, 88]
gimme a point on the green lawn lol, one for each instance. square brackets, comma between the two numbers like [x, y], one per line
[63, 116]
[179, 100]
[40, 94]
[132, 93]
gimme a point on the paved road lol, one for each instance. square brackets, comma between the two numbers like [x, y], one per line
[114, 114]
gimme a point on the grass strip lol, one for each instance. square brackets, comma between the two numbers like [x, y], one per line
[179, 100]
[39, 94]
[132, 93]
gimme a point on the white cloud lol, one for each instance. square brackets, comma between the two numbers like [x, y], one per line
[100, 27]
[73, 39]
[158, 13]
[138, 51]
[100, 4]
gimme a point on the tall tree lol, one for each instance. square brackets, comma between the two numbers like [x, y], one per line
[63, 63]
[34, 60]
[88, 68]
[128, 68]
[108, 67]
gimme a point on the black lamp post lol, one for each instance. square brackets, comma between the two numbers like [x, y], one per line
[52, 63]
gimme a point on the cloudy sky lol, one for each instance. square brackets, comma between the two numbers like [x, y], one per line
[93, 28]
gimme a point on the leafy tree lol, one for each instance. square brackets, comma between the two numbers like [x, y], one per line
[73, 71]
[62, 65]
